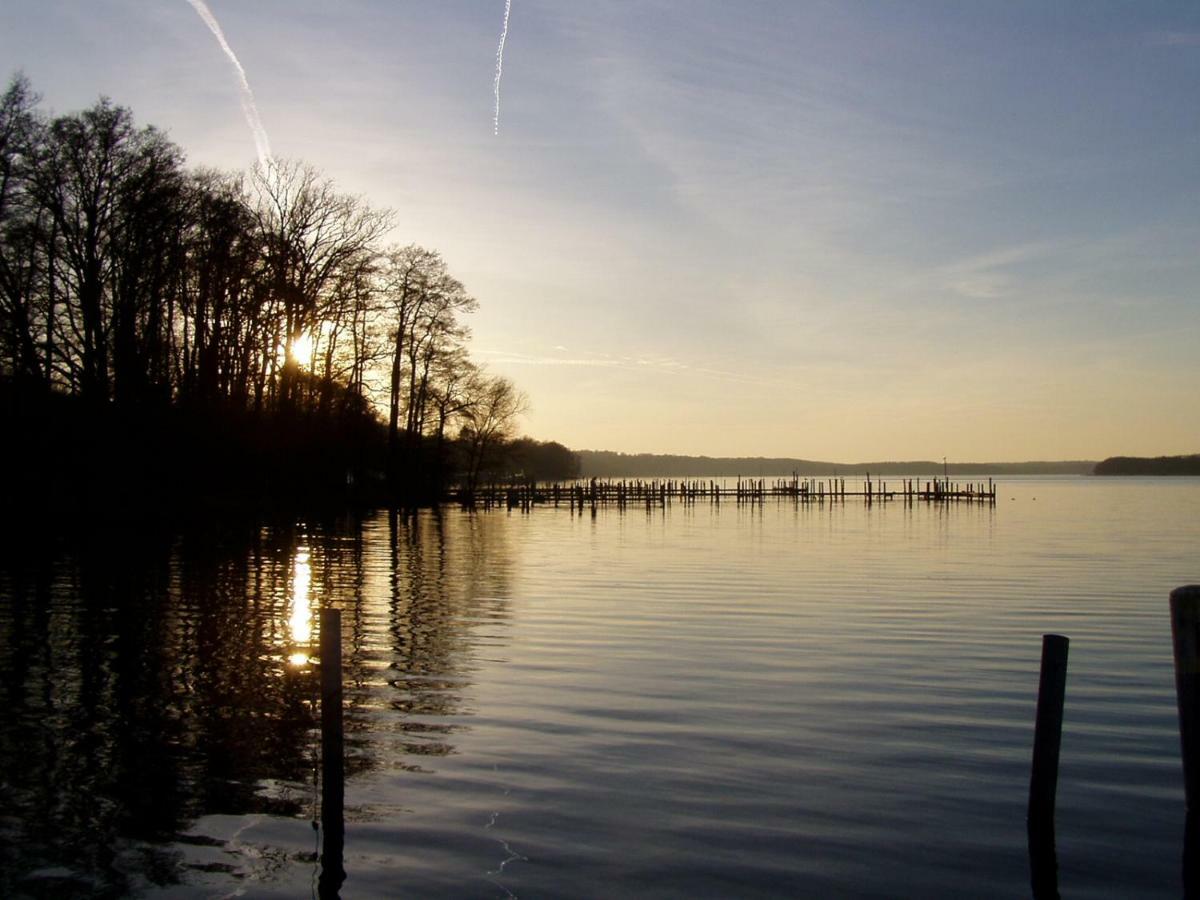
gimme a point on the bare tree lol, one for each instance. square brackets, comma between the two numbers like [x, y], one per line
[221, 320]
[22, 244]
[110, 193]
[310, 233]
[489, 420]
[405, 277]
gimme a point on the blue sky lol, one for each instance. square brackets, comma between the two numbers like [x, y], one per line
[831, 230]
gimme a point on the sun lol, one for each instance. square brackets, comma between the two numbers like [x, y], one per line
[302, 348]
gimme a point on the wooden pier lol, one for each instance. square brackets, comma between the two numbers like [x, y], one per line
[624, 494]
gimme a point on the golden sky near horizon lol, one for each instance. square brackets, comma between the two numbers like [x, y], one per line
[825, 231]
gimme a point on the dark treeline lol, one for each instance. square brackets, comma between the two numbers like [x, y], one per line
[1158, 465]
[607, 464]
[171, 328]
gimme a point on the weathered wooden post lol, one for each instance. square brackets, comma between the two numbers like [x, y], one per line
[333, 771]
[1043, 861]
[1185, 633]
[1043, 782]
[1047, 733]
[1191, 855]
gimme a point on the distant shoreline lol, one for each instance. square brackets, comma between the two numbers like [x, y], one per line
[610, 464]
[1158, 465]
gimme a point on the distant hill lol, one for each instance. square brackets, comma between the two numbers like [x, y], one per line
[1144, 465]
[607, 464]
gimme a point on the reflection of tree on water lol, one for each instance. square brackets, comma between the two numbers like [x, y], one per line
[446, 576]
[254, 708]
[152, 679]
[146, 683]
[87, 741]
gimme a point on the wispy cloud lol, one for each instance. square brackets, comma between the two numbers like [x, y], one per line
[663, 365]
[989, 275]
[603, 361]
[1174, 39]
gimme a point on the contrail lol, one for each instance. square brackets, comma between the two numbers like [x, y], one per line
[261, 143]
[500, 64]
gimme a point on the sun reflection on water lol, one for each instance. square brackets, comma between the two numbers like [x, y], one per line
[300, 620]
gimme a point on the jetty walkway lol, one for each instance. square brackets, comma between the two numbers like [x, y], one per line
[595, 492]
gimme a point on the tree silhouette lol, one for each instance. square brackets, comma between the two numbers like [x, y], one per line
[248, 329]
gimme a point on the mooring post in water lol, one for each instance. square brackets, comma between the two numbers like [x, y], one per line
[1047, 733]
[1043, 861]
[1043, 783]
[333, 772]
[1185, 633]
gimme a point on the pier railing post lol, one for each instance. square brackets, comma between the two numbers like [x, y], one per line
[333, 773]
[1047, 734]
[1185, 634]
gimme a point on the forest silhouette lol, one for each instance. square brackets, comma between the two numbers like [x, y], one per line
[233, 336]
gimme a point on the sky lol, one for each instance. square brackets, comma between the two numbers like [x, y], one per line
[831, 230]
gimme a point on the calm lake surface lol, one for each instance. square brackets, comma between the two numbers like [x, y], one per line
[764, 700]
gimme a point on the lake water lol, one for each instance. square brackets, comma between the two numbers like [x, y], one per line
[745, 701]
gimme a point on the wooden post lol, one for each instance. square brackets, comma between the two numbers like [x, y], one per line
[1191, 855]
[1047, 734]
[1185, 633]
[1043, 861]
[333, 771]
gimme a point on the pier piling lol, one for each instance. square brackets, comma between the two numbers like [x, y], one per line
[333, 772]
[1185, 634]
[1047, 734]
[595, 493]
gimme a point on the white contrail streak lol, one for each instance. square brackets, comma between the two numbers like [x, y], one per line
[249, 109]
[500, 64]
